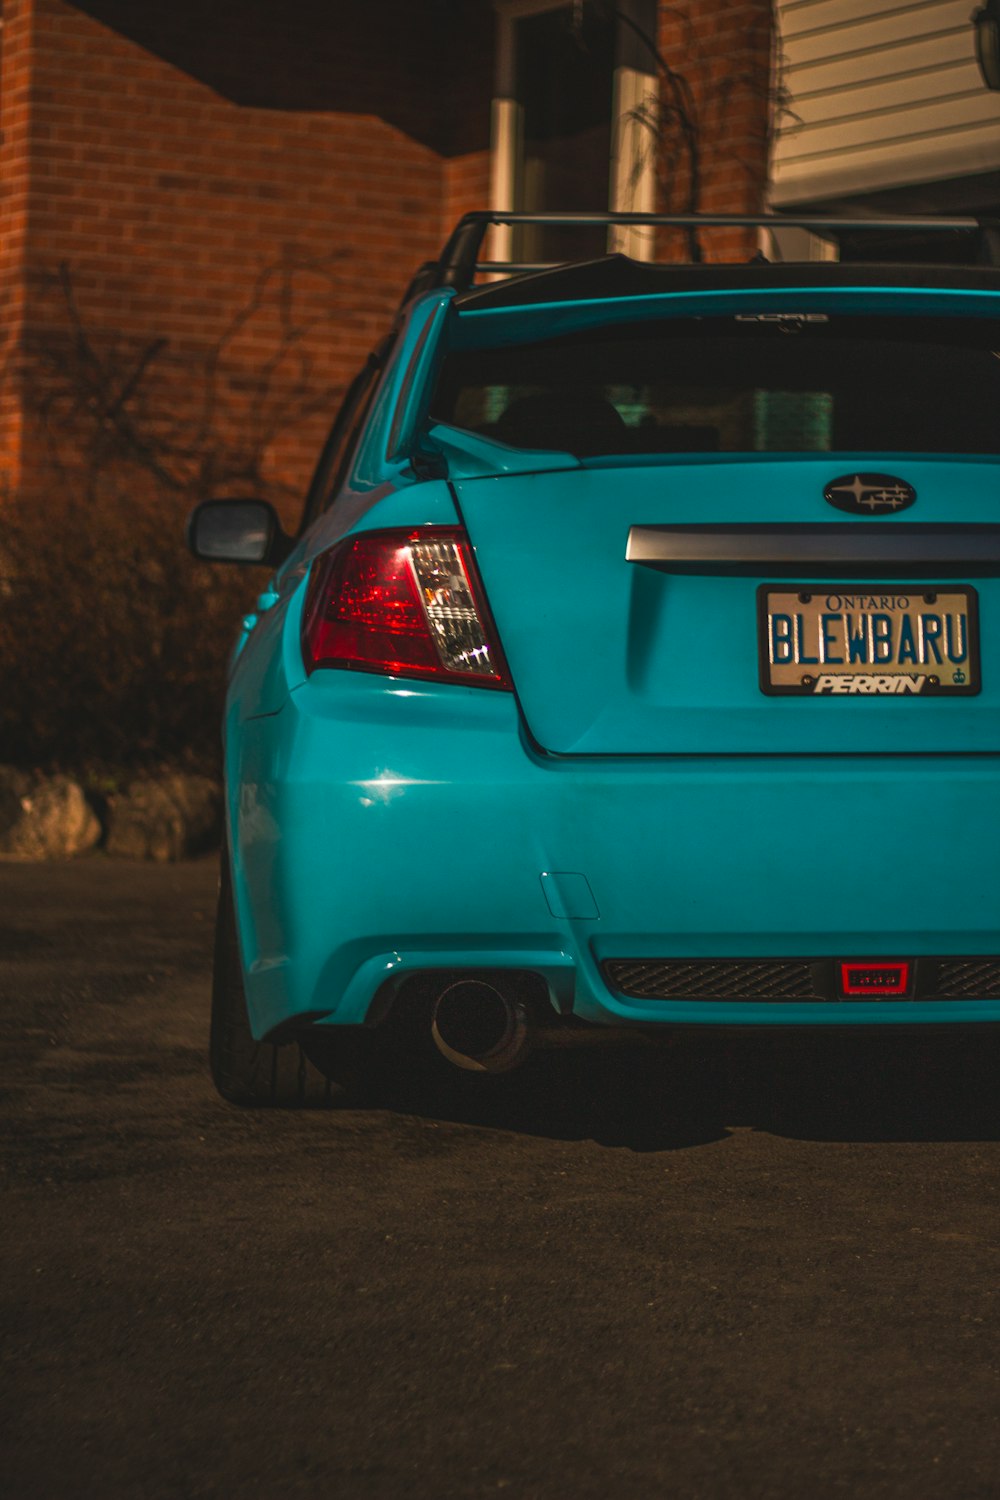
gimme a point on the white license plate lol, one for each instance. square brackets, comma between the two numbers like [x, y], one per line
[875, 641]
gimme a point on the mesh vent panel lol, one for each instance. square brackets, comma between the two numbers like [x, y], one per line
[713, 979]
[967, 979]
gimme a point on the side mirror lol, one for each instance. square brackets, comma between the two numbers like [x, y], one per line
[237, 531]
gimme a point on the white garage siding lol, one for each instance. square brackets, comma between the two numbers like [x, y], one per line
[882, 94]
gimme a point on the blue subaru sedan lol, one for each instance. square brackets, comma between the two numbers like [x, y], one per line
[634, 667]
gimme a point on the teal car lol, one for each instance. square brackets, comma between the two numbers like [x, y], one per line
[636, 666]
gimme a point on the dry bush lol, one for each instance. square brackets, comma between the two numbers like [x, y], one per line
[113, 639]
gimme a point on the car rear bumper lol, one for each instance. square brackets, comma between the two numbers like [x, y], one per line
[383, 828]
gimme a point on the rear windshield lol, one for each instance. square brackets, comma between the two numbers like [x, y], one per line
[758, 383]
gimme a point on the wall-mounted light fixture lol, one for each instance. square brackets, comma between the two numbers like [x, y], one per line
[987, 23]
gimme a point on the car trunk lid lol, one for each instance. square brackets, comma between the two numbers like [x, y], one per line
[616, 650]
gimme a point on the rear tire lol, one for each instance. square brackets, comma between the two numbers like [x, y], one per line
[245, 1071]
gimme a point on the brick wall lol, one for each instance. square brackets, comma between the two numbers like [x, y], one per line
[723, 53]
[201, 275]
[466, 187]
[15, 73]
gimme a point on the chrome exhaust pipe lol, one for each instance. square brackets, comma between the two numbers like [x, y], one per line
[479, 1028]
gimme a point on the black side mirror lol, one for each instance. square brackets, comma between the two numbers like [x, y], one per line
[237, 531]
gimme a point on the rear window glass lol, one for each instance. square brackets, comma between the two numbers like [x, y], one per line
[759, 383]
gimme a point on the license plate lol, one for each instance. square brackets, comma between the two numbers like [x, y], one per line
[876, 641]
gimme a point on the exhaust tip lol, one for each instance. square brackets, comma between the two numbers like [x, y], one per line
[479, 1028]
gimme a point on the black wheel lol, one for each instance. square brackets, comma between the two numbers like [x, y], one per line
[263, 1074]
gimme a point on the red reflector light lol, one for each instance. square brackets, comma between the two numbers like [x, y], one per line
[407, 603]
[874, 977]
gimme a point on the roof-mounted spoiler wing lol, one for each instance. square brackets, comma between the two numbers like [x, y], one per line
[460, 259]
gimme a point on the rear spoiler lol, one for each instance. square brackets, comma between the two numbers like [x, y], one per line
[977, 239]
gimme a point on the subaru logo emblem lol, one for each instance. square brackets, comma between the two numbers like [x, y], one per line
[869, 494]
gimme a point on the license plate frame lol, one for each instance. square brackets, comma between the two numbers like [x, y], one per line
[805, 637]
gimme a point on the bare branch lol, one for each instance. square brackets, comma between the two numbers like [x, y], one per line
[186, 418]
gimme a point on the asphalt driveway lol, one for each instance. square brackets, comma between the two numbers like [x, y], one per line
[750, 1269]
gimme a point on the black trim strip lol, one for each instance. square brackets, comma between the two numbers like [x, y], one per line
[954, 977]
[893, 550]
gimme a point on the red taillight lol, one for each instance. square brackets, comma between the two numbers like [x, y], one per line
[404, 602]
